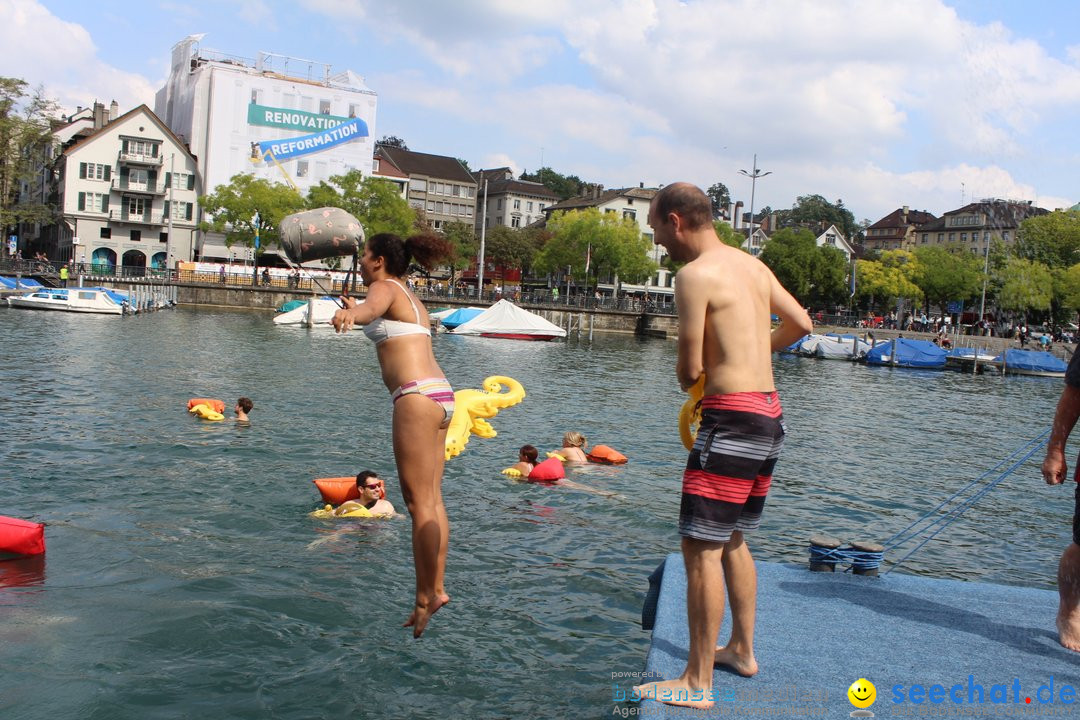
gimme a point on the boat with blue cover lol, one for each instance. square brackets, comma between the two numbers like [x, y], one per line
[907, 353]
[1038, 363]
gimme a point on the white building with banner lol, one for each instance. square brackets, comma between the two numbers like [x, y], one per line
[274, 117]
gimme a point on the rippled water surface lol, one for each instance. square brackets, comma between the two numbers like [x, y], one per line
[184, 577]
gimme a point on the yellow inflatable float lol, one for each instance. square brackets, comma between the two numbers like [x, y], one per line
[356, 511]
[690, 414]
[205, 412]
[473, 409]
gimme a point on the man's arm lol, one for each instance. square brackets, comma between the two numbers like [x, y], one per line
[794, 320]
[690, 300]
[1054, 467]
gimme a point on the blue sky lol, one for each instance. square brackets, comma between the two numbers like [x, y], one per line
[880, 104]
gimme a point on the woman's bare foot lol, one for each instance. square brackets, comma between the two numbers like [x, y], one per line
[743, 664]
[676, 692]
[1068, 625]
[422, 613]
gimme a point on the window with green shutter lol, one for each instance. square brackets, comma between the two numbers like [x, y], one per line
[82, 201]
[82, 171]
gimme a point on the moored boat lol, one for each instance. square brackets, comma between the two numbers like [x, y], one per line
[907, 353]
[1037, 363]
[325, 307]
[506, 320]
[80, 300]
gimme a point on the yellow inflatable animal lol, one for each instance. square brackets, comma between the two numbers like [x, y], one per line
[472, 408]
[690, 415]
[206, 412]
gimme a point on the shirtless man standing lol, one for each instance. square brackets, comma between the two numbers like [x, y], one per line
[1055, 470]
[725, 297]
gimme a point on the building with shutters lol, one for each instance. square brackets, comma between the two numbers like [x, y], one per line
[127, 189]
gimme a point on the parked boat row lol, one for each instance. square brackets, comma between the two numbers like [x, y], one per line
[925, 355]
[504, 319]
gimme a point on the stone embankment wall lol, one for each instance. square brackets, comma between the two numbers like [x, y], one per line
[570, 318]
[573, 319]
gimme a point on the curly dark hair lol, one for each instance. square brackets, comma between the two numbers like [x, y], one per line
[425, 250]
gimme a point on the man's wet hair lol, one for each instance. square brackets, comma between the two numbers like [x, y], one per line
[687, 201]
[245, 404]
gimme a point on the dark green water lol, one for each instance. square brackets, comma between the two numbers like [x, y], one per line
[184, 578]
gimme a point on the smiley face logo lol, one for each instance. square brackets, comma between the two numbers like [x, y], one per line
[862, 693]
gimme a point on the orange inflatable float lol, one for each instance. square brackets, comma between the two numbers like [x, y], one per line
[337, 490]
[215, 405]
[606, 455]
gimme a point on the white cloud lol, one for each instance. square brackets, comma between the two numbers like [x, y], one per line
[824, 90]
[42, 49]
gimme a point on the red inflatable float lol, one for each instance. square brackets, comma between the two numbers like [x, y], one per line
[547, 471]
[21, 537]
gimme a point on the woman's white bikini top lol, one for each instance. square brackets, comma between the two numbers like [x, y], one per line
[380, 329]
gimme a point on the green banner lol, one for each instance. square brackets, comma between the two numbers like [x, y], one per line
[291, 119]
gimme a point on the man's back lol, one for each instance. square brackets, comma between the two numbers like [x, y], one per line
[734, 289]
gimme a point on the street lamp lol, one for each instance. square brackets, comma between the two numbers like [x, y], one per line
[986, 273]
[753, 186]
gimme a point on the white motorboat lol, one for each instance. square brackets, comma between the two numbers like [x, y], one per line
[80, 300]
[325, 307]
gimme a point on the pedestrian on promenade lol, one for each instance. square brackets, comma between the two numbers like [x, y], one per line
[1054, 470]
[724, 298]
[423, 400]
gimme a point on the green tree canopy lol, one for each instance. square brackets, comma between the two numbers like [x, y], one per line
[614, 244]
[232, 209]
[565, 186]
[885, 281]
[512, 248]
[727, 234]
[25, 135]
[948, 273]
[465, 245]
[1052, 239]
[719, 196]
[829, 273]
[375, 202]
[789, 253]
[1067, 287]
[392, 141]
[1025, 285]
[811, 209]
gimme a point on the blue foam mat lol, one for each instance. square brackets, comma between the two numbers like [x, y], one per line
[817, 633]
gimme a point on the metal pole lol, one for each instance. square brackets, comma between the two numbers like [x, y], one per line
[753, 188]
[172, 200]
[986, 268]
[483, 235]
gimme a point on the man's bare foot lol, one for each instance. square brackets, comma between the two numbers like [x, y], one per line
[422, 613]
[1068, 625]
[744, 665]
[675, 692]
